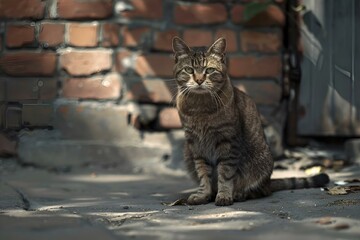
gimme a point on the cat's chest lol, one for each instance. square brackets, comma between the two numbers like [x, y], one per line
[204, 140]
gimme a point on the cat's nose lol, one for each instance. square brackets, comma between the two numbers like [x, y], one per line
[199, 80]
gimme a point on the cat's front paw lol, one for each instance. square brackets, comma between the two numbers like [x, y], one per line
[198, 198]
[223, 200]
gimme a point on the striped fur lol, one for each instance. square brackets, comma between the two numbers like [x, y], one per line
[225, 149]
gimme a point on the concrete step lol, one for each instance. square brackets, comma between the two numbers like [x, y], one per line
[155, 152]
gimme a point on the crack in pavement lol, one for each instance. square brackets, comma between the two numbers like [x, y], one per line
[25, 201]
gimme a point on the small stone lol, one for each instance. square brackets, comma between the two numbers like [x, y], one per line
[341, 226]
[126, 207]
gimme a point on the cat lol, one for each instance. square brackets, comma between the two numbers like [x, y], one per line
[225, 149]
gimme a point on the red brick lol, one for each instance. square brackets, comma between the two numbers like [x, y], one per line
[237, 14]
[162, 40]
[196, 38]
[81, 62]
[33, 9]
[19, 89]
[133, 37]
[80, 9]
[230, 36]
[260, 41]
[28, 63]
[151, 91]
[263, 92]
[251, 66]
[197, 13]
[51, 34]
[123, 61]
[169, 118]
[272, 16]
[110, 35]
[20, 35]
[158, 65]
[145, 9]
[100, 87]
[83, 34]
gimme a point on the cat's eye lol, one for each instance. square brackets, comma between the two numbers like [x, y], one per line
[210, 70]
[189, 70]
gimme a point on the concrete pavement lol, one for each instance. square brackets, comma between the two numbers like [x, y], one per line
[94, 202]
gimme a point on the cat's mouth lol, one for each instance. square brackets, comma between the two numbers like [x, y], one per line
[200, 89]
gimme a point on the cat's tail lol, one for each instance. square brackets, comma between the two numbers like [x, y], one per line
[319, 180]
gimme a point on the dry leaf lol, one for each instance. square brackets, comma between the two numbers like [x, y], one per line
[354, 180]
[314, 170]
[342, 190]
[338, 165]
[181, 201]
[324, 221]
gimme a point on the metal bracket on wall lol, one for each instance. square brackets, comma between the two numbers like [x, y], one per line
[13, 116]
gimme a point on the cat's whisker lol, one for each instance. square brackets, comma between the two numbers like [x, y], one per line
[215, 99]
[227, 98]
[220, 99]
[169, 79]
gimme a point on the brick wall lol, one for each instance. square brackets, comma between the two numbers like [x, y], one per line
[120, 51]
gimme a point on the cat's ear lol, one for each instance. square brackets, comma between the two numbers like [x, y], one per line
[218, 46]
[179, 47]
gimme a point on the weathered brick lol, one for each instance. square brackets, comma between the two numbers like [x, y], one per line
[158, 65]
[230, 36]
[28, 63]
[251, 66]
[133, 37]
[162, 40]
[20, 35]
[272, 16]
[83, 34]
[7, 146]
[18, 89]
[145, 9]
[260, 41]
[191, 14]
[90, 120]
[85, 62]
[37, 115]
[3, 93]
[33, 9]
[196, 38]
[21, 89]
[80, 9]
[99, 87]
[51, 34]
[169, 118]
[110, 35]
[123, 61]
[263, 92]
[151, 90]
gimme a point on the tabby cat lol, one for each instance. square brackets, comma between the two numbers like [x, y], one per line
[225, 149]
